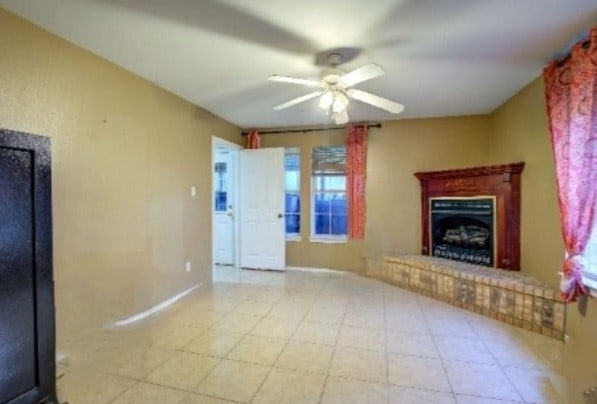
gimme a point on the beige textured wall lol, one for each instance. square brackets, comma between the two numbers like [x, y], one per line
[520, 133]
[125, 154]
[396, 151]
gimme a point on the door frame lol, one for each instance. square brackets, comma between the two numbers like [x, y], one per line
[234, 149]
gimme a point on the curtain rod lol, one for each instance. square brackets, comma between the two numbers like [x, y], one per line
[270, 132]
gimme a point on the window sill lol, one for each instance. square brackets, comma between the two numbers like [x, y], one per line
[293, 237]
[328, 240]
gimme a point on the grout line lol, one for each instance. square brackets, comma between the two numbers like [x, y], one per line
[482, 340]
[327, 375]
[436, 348]
[385, 328]
[282, 350]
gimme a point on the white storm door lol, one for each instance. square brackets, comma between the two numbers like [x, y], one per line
[223, 208]
[262, 237]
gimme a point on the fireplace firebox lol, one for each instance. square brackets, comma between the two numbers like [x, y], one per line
[463, 229]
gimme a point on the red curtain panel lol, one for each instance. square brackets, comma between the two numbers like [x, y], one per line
[356, 177]
[253, 140]
[571, 96]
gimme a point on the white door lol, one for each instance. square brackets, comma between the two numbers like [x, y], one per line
[263, 243]
[224, 207]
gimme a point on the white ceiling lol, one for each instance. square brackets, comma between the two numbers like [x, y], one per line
[442, 57]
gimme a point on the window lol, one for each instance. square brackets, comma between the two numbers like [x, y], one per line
[220, 193]
[329, 213]
[292, 180]
[590, 273]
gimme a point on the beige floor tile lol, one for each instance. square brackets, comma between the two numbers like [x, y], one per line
[306, 356]
[404, 395]
[184, 370]
[275, 327]
[463, 349]
[289, 311]
[463, 399]
[372, 319]
[179, 336]
[137, 362]
[256, 349]
[408, 343]
[91, 387]
[145, 393]
[480, 380]
[418, 372]
[254, 308]
[407, 323]
[201, 399]
[537, 386]
[194, 318]
[347, 391]
[237, 322]
[362, 338]
[232, 380]
[517, 354]
[450, 327]
[325, 315]
[359, 364]
[214, 343]
[328, 308]
[326, 334]
[290, 386]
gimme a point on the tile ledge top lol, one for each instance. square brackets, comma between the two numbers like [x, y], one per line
[480, 274]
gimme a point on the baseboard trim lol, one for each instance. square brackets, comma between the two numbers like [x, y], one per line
[316, 270]
[153, 309]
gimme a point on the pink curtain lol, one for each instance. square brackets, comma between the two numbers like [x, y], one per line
[571, 92]
[356, 176]
[253, 140]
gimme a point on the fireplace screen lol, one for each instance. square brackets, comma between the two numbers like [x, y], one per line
[462, 229]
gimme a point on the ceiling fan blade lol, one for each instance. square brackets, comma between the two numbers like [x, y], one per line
[341, 118]
[361, 74]
[375, 100]
[298, 100]
[294, 80]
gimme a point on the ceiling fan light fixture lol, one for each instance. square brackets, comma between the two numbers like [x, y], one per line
[340, 102]
[326, 100]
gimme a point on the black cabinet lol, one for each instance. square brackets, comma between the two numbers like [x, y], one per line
[27, 333]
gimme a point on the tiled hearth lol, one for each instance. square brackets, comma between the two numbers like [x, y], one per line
[507, 296]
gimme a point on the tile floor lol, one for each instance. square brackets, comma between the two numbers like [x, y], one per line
[304, 337]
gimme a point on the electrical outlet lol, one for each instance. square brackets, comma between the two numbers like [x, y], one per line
[193, 191]
[187, 266]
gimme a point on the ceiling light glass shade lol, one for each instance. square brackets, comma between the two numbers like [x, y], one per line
[340, 102]
[326, 100]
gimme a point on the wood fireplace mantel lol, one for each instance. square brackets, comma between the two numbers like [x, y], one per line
[501, 181]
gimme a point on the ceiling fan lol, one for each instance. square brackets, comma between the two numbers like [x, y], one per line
[335, 89]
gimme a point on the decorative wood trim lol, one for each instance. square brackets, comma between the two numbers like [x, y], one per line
[502, 181]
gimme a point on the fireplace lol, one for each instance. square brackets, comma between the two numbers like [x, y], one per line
[460, 207]
[463, 229]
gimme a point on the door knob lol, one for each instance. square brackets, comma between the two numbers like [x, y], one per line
[280, 215]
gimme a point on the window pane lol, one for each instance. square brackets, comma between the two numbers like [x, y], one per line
[338, 204]
[293, 202]
[322, 203]
[329, 183]
[221, 200]
[292, 180]
[292, 183]
[293, 223]
[322, 224]
[338, 225]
